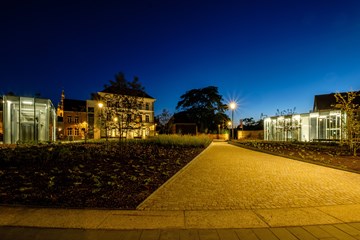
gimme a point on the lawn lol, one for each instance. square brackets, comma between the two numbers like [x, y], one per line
[115, 175]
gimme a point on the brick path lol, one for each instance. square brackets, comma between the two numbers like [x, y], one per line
[229, 177]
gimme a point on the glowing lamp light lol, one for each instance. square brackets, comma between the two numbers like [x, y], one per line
[100, 105]
[232, 105]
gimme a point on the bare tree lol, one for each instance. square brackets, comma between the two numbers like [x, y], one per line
[285, 112]
[164, 118]
[351, 122]
[122, 101]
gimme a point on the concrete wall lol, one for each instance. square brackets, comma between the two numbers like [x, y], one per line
[219, 136]
[250, 134]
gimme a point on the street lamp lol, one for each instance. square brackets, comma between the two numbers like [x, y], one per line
[100, 106]
[232, 106]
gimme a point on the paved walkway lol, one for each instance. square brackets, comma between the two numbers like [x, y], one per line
[225, 193]
[230, 177]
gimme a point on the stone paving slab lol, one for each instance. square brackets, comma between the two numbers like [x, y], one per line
[57, 218]
[223, 219]
[199, 219]
[328, 232]
[295, 217]
[143, 220]
[346, 213]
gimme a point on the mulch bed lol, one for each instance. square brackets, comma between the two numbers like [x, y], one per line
[88, 176]
[330, 155]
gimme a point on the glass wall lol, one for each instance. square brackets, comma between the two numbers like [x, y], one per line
[28, 120]
[317, 126]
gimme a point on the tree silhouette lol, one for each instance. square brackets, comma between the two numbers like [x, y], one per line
[205, 107]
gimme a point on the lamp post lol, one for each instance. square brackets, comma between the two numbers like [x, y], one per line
[100, 106]
[229, 125]
[232, 106]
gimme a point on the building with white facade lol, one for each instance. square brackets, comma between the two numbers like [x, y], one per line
[324, 123]
[128, 113]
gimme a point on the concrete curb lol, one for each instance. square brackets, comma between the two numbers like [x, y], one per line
[202, 219]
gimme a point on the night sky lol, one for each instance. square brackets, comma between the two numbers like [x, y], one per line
[266, 55]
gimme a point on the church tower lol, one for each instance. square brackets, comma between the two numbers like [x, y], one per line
[60, 107]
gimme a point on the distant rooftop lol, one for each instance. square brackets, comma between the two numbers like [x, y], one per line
[328, 101]
[126, 91]
[74, 105]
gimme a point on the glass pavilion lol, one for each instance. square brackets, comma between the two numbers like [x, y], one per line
[28, 120]
[314, 126]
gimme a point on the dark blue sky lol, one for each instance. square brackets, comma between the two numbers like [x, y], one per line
[267, 55]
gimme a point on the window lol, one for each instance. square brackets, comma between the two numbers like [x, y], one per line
[147, 118]
[76, 119]
[90, 109]
[76, 132]
[69, 131]
[147, 106]
[69, 119]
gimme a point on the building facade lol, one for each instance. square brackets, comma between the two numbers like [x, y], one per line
[73, 120]
[92, 119]
[127, 115]
[315, 126]
[28, 120]
[324, 123]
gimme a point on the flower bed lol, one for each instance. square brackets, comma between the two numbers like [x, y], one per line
[329, 154]
[95, 175]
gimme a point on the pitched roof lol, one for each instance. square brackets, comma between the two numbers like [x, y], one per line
[74, 105]
[126, 91]
[328, 101]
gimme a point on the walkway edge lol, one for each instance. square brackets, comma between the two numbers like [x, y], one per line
[199, 219]
[149, 198]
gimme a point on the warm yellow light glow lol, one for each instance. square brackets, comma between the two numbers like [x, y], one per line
[100, 105]
[115, 119]
[232, 105]
[229, 123]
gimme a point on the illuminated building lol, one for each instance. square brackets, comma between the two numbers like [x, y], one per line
[324, 123]
[28, 120]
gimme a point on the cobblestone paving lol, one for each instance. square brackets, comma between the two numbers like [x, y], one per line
[229, 177]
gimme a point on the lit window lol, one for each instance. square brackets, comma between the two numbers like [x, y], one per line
[147, 118]
[69, 131]
[76, 132]
[69, 119]
[76, 119]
